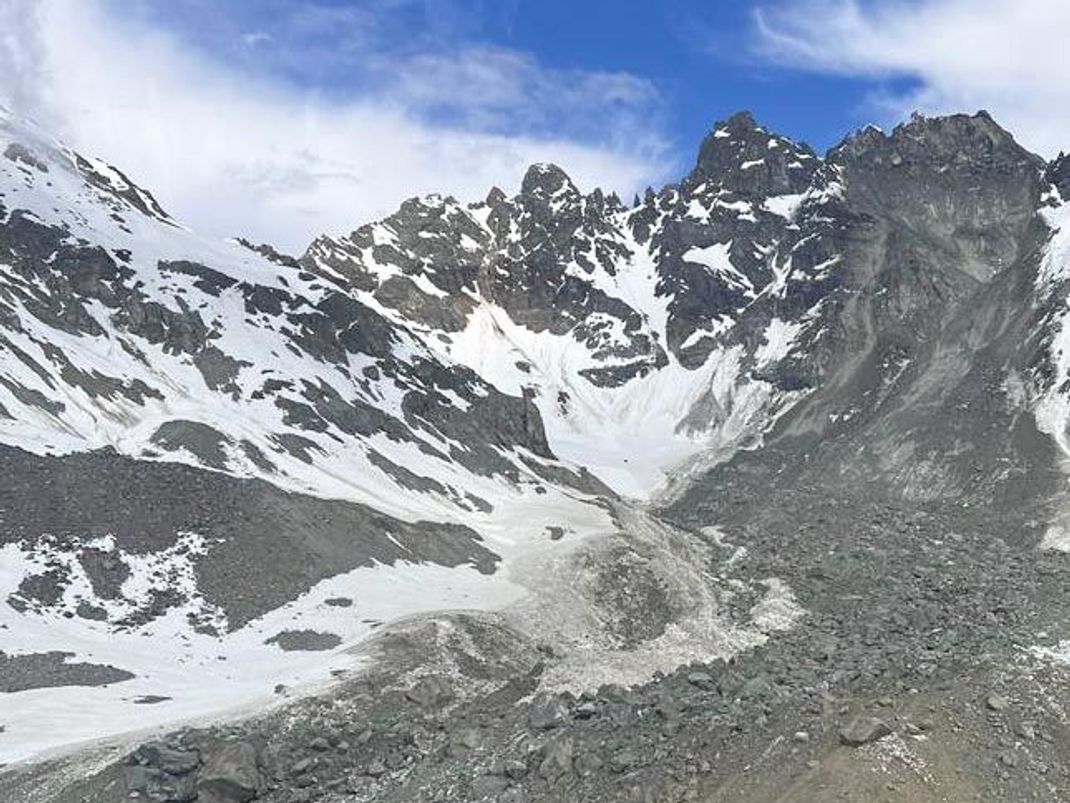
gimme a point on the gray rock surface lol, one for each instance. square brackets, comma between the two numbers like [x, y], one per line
[230, 775]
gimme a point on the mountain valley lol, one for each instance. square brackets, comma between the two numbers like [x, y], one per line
[752, 489]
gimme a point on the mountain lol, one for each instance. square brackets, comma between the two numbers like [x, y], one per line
[544, 496]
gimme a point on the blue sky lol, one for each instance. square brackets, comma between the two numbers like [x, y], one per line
[282, 119]
[702, 60]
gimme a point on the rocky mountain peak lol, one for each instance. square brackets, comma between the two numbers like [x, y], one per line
[546, 182]
[961, 179]
[495, 197]
[745, 158]
[945, 141]
[1058, 174]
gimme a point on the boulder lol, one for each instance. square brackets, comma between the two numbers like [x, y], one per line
[156, 785]
[230, 775]
[863, 730]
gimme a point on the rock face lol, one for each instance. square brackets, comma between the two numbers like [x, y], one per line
[840, 384]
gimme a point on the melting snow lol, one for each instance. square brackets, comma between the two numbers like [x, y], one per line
[206, 675]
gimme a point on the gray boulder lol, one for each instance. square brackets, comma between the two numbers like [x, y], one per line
[863, 730]
[230, 775]
[169, 759]
[156, 785]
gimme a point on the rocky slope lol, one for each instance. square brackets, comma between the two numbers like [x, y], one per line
[751, 488]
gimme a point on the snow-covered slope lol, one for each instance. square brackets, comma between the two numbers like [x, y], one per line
[223, 457]
[123, 335]
[619, 324]
[644, 335]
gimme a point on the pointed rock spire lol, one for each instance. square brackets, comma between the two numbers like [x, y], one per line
[747, 159]
[544, 179]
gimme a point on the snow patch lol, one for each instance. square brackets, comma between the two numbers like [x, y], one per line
[779, 337]
[784, 205]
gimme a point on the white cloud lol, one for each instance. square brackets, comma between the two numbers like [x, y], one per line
[254, 38]
[22, 56]
[1008, 56]
[495, 88]
[230, 153]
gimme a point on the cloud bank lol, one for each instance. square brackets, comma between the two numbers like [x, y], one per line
[232, 150]
[1007, 56]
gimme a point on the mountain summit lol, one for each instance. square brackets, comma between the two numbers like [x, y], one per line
[543, 496]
